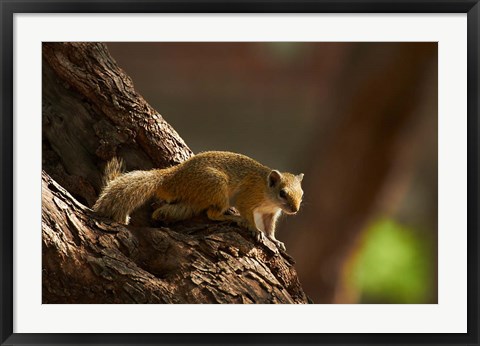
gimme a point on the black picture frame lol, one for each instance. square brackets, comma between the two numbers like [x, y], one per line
[10, 7]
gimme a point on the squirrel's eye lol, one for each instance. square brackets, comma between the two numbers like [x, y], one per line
[283, 194]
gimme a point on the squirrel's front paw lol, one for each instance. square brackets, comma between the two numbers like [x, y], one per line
[279, 244]
[258, 235]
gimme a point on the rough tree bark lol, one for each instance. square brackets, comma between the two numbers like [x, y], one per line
[91, 113]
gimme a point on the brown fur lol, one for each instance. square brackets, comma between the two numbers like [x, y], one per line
[210, 182]
[114, 168]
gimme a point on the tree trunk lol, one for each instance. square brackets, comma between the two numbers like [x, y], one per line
[92, 113]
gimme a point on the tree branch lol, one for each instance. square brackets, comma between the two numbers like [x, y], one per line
[90, 260]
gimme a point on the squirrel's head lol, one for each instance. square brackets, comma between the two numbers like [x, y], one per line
[286, 190]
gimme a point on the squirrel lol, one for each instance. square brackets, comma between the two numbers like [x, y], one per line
[210, 182]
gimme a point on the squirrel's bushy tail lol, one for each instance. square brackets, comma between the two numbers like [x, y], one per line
[114, 168]
[123, 193]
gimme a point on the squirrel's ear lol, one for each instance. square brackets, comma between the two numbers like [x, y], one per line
[300, 177]
[274, 178]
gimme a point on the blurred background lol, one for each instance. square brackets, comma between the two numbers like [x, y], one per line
[358, 119]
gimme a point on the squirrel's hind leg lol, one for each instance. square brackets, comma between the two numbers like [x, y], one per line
[217, 214]
[219, 205]
[173, 212]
